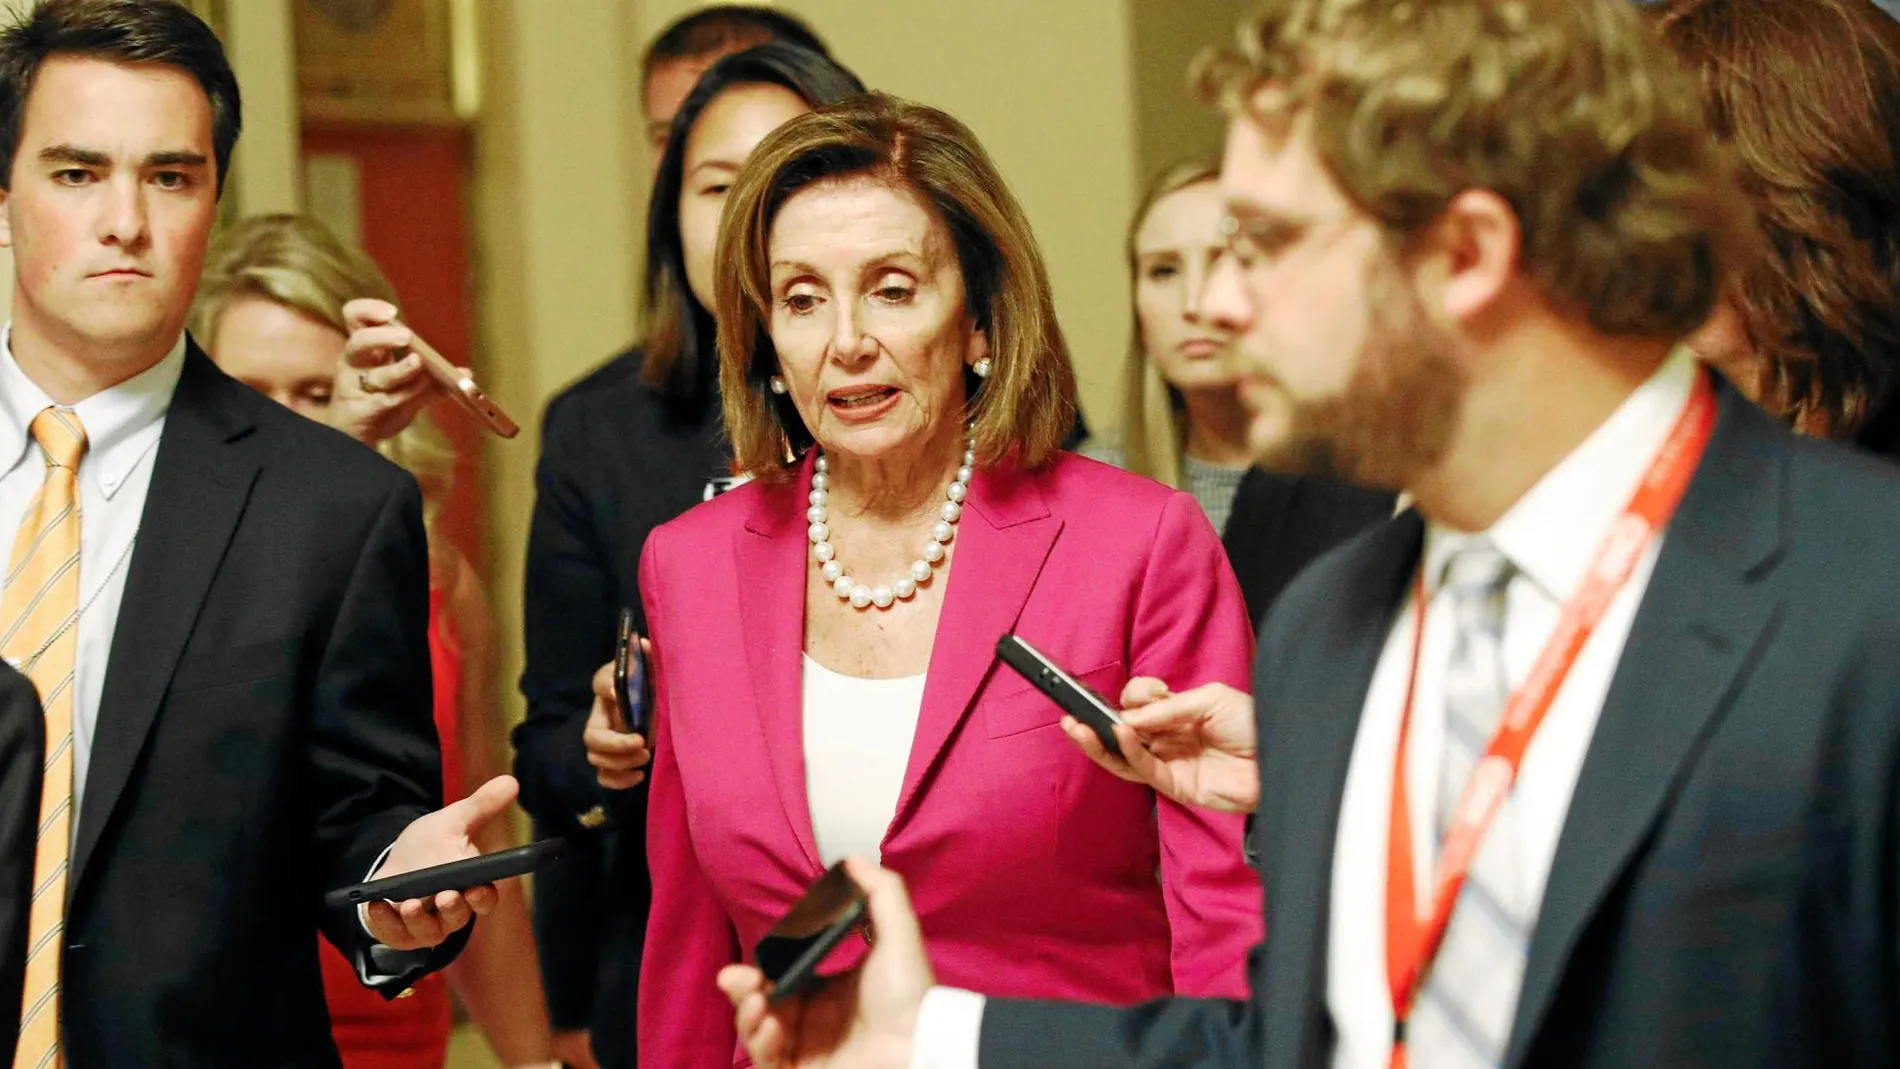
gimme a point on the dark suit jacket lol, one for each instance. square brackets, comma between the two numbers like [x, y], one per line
[22, 754]
[1282, 523]
[616, 462]
[1726, 889]
[264, 734]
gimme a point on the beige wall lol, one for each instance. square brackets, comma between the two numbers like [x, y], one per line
[554, 226]
[1171, 126]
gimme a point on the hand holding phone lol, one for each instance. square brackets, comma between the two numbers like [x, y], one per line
[462, 389]
[454, 876]
[633, 692]
[790, 953]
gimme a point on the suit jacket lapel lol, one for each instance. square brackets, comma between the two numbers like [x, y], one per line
[1694, 636]
[198, 489]
[772, 559]
[1312, 688]
[1003, 540]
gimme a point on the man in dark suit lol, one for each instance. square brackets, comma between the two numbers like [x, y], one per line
[1592, 759]
[222, 605]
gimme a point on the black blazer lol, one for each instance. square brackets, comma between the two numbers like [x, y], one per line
[22, 755]
[1726, 889]
[616, 462]
[1282, 523]
[264, 734]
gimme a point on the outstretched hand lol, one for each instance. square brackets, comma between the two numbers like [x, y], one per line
[446, 835]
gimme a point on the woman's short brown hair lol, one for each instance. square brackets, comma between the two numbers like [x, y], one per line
[1808, 98]
[1026, 405]
[1569, 110]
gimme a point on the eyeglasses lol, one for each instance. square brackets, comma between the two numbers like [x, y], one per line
[1267, 242]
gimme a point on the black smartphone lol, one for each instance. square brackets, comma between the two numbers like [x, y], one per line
[631, 689]
[454, 876]
[789, 954]
[1074, 698]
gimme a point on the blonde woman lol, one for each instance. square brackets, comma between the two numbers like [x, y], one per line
[270, 313]
[1182, 420]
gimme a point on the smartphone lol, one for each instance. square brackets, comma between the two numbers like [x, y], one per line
[631, 687]
[789, 954]
[1074, 698]
[463, 389]
[454, 876]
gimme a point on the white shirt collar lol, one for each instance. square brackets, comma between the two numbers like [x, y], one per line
[1552, 532]
[113, 417]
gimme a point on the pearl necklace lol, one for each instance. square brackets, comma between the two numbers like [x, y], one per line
[859, 595]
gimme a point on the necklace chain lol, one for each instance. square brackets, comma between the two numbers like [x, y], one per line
[883, 596]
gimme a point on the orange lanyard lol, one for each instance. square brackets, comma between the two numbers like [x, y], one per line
[1411, 942]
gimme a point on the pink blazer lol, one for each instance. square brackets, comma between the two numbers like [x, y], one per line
[1031, 870]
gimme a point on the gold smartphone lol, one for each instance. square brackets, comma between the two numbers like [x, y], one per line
[463, 389]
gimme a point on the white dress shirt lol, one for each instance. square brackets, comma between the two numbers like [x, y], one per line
[123, 424]
[857, 744]
[1550, 536]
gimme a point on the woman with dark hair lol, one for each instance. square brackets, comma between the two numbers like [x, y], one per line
[627, 448]
[1807, 96]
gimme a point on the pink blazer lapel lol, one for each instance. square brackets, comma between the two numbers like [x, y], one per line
[1002, 543]
[770, 551]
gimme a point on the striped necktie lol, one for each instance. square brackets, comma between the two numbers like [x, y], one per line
[1464, 1013]
[40, 613]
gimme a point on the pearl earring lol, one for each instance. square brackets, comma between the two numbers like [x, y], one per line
[981, 368]
[778, 385]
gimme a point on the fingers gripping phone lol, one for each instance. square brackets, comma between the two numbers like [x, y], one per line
[790, 953]
[1075, 699]
[454, 876]
[633, 684]
[463, 389]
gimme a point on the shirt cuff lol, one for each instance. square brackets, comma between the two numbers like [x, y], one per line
[389, 964]
[949, 1030]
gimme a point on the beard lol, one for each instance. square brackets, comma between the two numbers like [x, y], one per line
[1400, 409]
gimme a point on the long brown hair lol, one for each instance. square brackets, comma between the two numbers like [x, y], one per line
[1807, 96]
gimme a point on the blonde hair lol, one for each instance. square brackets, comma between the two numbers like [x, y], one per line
[298, 263]
[1026, 406]
[1154, 430]
[1572, 111]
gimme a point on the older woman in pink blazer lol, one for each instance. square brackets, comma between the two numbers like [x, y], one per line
[823, 637]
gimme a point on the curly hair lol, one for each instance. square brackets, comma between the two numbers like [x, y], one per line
[1807, 97]
[1569, 110]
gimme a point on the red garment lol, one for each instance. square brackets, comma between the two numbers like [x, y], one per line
[411, 1032]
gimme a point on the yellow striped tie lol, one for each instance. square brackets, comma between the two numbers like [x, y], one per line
[40, 613]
